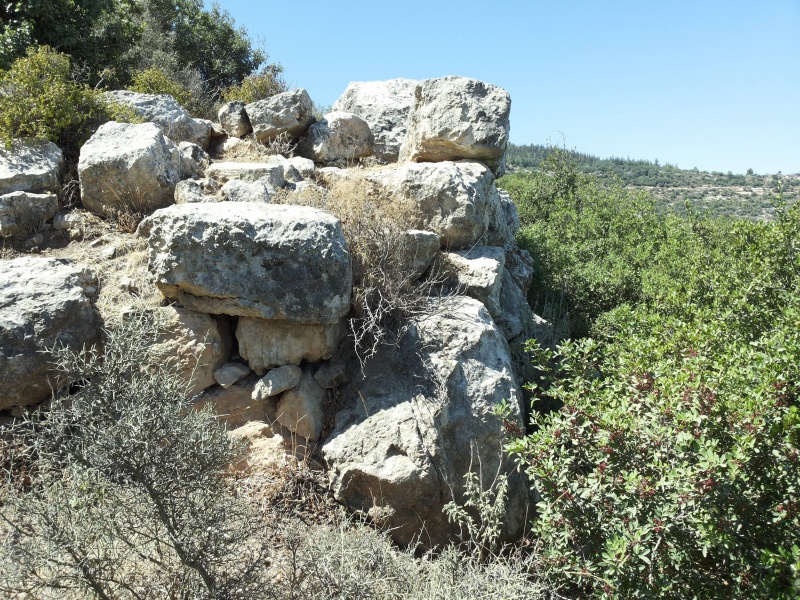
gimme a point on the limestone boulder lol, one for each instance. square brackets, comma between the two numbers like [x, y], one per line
[289, 113]
[421, 418]
[194, 160]
[195, 190]
[193, 344]
[384, 105]
[300, 408]
[268, 343]
[162, 109]
[230, 373]
[277, 381]
[339, 138]
[233, 119]
[477, 273]
[418, 251]
[269, 173]
[456, 200]
[43, 302]
[22, 213]
[31, 166]
[456, 118]
[269, 261]
[128, 167]
[247, 191]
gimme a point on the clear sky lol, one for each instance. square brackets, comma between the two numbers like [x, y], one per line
[709, 83]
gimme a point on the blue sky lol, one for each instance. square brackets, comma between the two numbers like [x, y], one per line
[707, 84]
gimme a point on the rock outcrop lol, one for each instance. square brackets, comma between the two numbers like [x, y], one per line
[289, 113]
[126, 167]
[44, 302]
[456, 118]
[234, 120]
[31, 166]
[22, 213]
[339, 138]
[162, 109]
[280, 262]
[384, 105]
[421, 419]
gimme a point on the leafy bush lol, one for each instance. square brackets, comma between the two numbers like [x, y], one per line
[261, 85]
[119, 489]
[38, 99]
[155, 81]
[672, 469]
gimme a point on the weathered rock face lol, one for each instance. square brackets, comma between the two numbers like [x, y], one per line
[24, 212]
[162, 109]
[269, 261]
[247, 191]
[193, 159]
[128, 167]
[233, 405]
[477, 273]
[384, 105]
[43, 302]
[339, 138]
[289, 112]
[195, 190]
[31, 166]
[396, 455]
[418, 248]
[300, 408]
[233, 118]
[271, 343]
[277, 381]
[267, 172]
[456, 200]
[194, 345]
[456, 118]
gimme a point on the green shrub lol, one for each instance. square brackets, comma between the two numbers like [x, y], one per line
[155, 81]
[259, 86]
[673, 468]
[38, 99]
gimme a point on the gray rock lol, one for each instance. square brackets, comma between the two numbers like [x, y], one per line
[289, 113]
[300, 408]
[384, 105]
[233, 119]
[162, 109]
[22, 213]
[230, 373]
[31, 166]
[194, 344]
[271, 343]
[419, 249]
[192, 190]
[267, 172]
[193, 160]
[456, 200]
[277, 381]
[505, 223]
[421, 419]
[236, 190]
[339, 138]
[304, 166]
[233, 406]
[456, 118]
[270, 261]
[477, 273]
[43, 302]
[127, 167]
[519, 265]
[331, 375]
[67, 221]
[515, 315]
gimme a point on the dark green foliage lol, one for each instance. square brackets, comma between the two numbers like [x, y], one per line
[673, 468]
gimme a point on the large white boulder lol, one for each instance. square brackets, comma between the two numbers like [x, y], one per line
[339, 138]
[31, 166]
[421, 419]
[384, 105]
[162, 109]
[289, 113]
[456, 200]
[22, 213]
[251, 259]
[128, 167]
[44, 302]
[454, 118]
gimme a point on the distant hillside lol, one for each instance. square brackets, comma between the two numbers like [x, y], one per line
[748, 196]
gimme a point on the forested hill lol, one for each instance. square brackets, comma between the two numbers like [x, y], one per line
[749, 196]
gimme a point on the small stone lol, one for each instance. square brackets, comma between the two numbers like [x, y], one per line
[277, 381]
[230, 373]
[63, 221]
